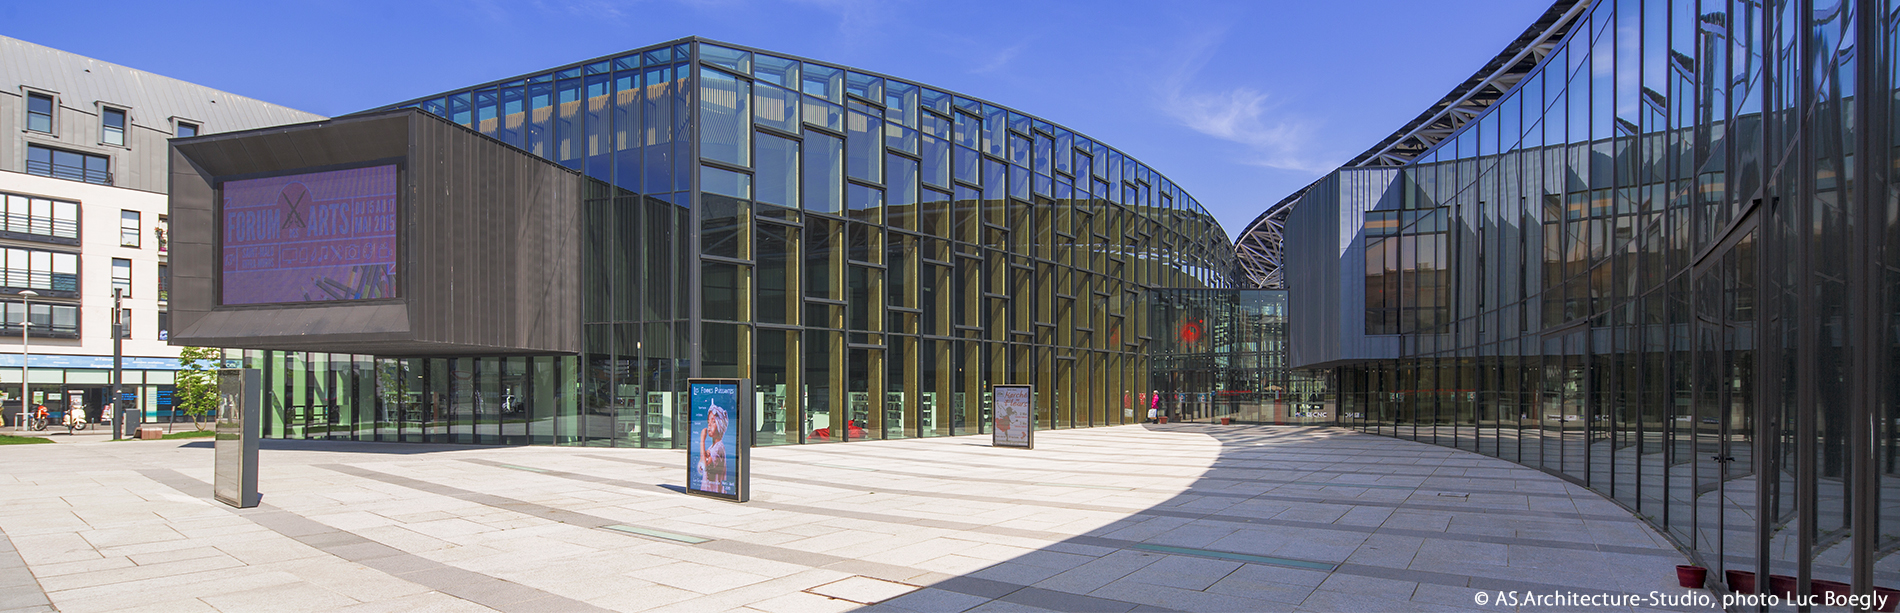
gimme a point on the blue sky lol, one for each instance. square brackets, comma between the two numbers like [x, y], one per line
[1240, 103]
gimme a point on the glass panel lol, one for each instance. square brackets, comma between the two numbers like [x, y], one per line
[901, 195]
[824, 173]
[730, 59]
[865, 86]
[824, 114]
[778, 300]
[824, 82]
[725, 182]
[112, 130]
[866, 203]
[775, 70]
[724, 295]
[778, 171]
[723, 221]
[724, 120]
[864, 140]
[627, 132]
[777, 107]
[39, 113]
[936, 162]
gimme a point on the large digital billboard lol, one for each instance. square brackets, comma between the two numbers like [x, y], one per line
[312, 237]
[716, 453]
[1015, 423]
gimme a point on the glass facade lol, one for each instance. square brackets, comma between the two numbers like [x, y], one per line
[1221, 354]
[1661, 266]
[874, 253]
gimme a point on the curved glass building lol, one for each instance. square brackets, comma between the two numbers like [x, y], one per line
[872, 252]
[1650, 248]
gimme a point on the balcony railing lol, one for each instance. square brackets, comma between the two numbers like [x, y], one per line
[39, 225]
[65, 283]
[68, 172]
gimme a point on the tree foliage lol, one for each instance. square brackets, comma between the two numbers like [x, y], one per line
[197, 383]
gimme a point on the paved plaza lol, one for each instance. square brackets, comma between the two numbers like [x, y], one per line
[1185, 517]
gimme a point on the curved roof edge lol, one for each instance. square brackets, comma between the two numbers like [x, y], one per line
[1258, 247]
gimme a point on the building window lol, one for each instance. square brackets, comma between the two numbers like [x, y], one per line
[39, 113]
[29, 218]
[129, 229]
[125, 323]
[48, 272]
[112, 126]
[122, 276]
[185, 129]
[164, 326]
[164, 282]
[159, 232]
[69, 165]
[49, 320]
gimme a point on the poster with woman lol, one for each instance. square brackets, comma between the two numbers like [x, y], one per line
[716, 451]
[1015, 417]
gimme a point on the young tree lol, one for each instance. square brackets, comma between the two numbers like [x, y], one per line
[197, 383]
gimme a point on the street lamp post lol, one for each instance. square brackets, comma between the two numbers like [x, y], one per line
[26, 327]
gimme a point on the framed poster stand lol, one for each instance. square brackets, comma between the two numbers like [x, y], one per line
[719, 438]
[1015, 409]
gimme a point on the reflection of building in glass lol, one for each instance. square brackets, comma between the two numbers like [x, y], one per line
[1650, 248]
[1222, 354]
[874, 253]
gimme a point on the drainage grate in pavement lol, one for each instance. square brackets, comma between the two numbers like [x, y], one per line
[1238, 557]
[868, 470]
[658, 534]
[862, 590]
[1093, 487]
[1334, 484]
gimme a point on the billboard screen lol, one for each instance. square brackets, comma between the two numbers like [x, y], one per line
[1015, 426]
[313, 237]
[716, 453]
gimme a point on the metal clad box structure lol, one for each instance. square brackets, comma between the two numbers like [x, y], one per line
[1325, 263]
[488, 261]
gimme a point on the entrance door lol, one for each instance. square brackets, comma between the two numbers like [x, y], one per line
[1722, 429]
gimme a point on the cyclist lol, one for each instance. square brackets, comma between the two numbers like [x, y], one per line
[39, 418]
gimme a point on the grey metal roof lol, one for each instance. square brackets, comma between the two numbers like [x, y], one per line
[154, 99]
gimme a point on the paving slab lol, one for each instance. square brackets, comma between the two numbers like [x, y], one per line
[1181, 517]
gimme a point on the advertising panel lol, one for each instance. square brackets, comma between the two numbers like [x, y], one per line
[717, 438]
[234, 451]
[312, 237]
[1015, 417]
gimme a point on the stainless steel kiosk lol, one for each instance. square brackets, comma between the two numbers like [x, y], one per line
[240, 396]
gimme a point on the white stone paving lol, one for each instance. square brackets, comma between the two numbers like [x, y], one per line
[1179, 517]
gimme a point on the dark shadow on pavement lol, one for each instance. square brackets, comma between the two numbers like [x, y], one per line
[1313, 518]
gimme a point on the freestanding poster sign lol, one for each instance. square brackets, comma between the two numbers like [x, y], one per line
[240, 397]
[719, 438]
[1015, 424]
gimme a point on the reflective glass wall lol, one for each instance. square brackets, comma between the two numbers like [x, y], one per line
[874, 253]
[1222, 354]
[1662, 267]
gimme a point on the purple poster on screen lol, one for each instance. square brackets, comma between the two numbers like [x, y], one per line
[313, 237]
